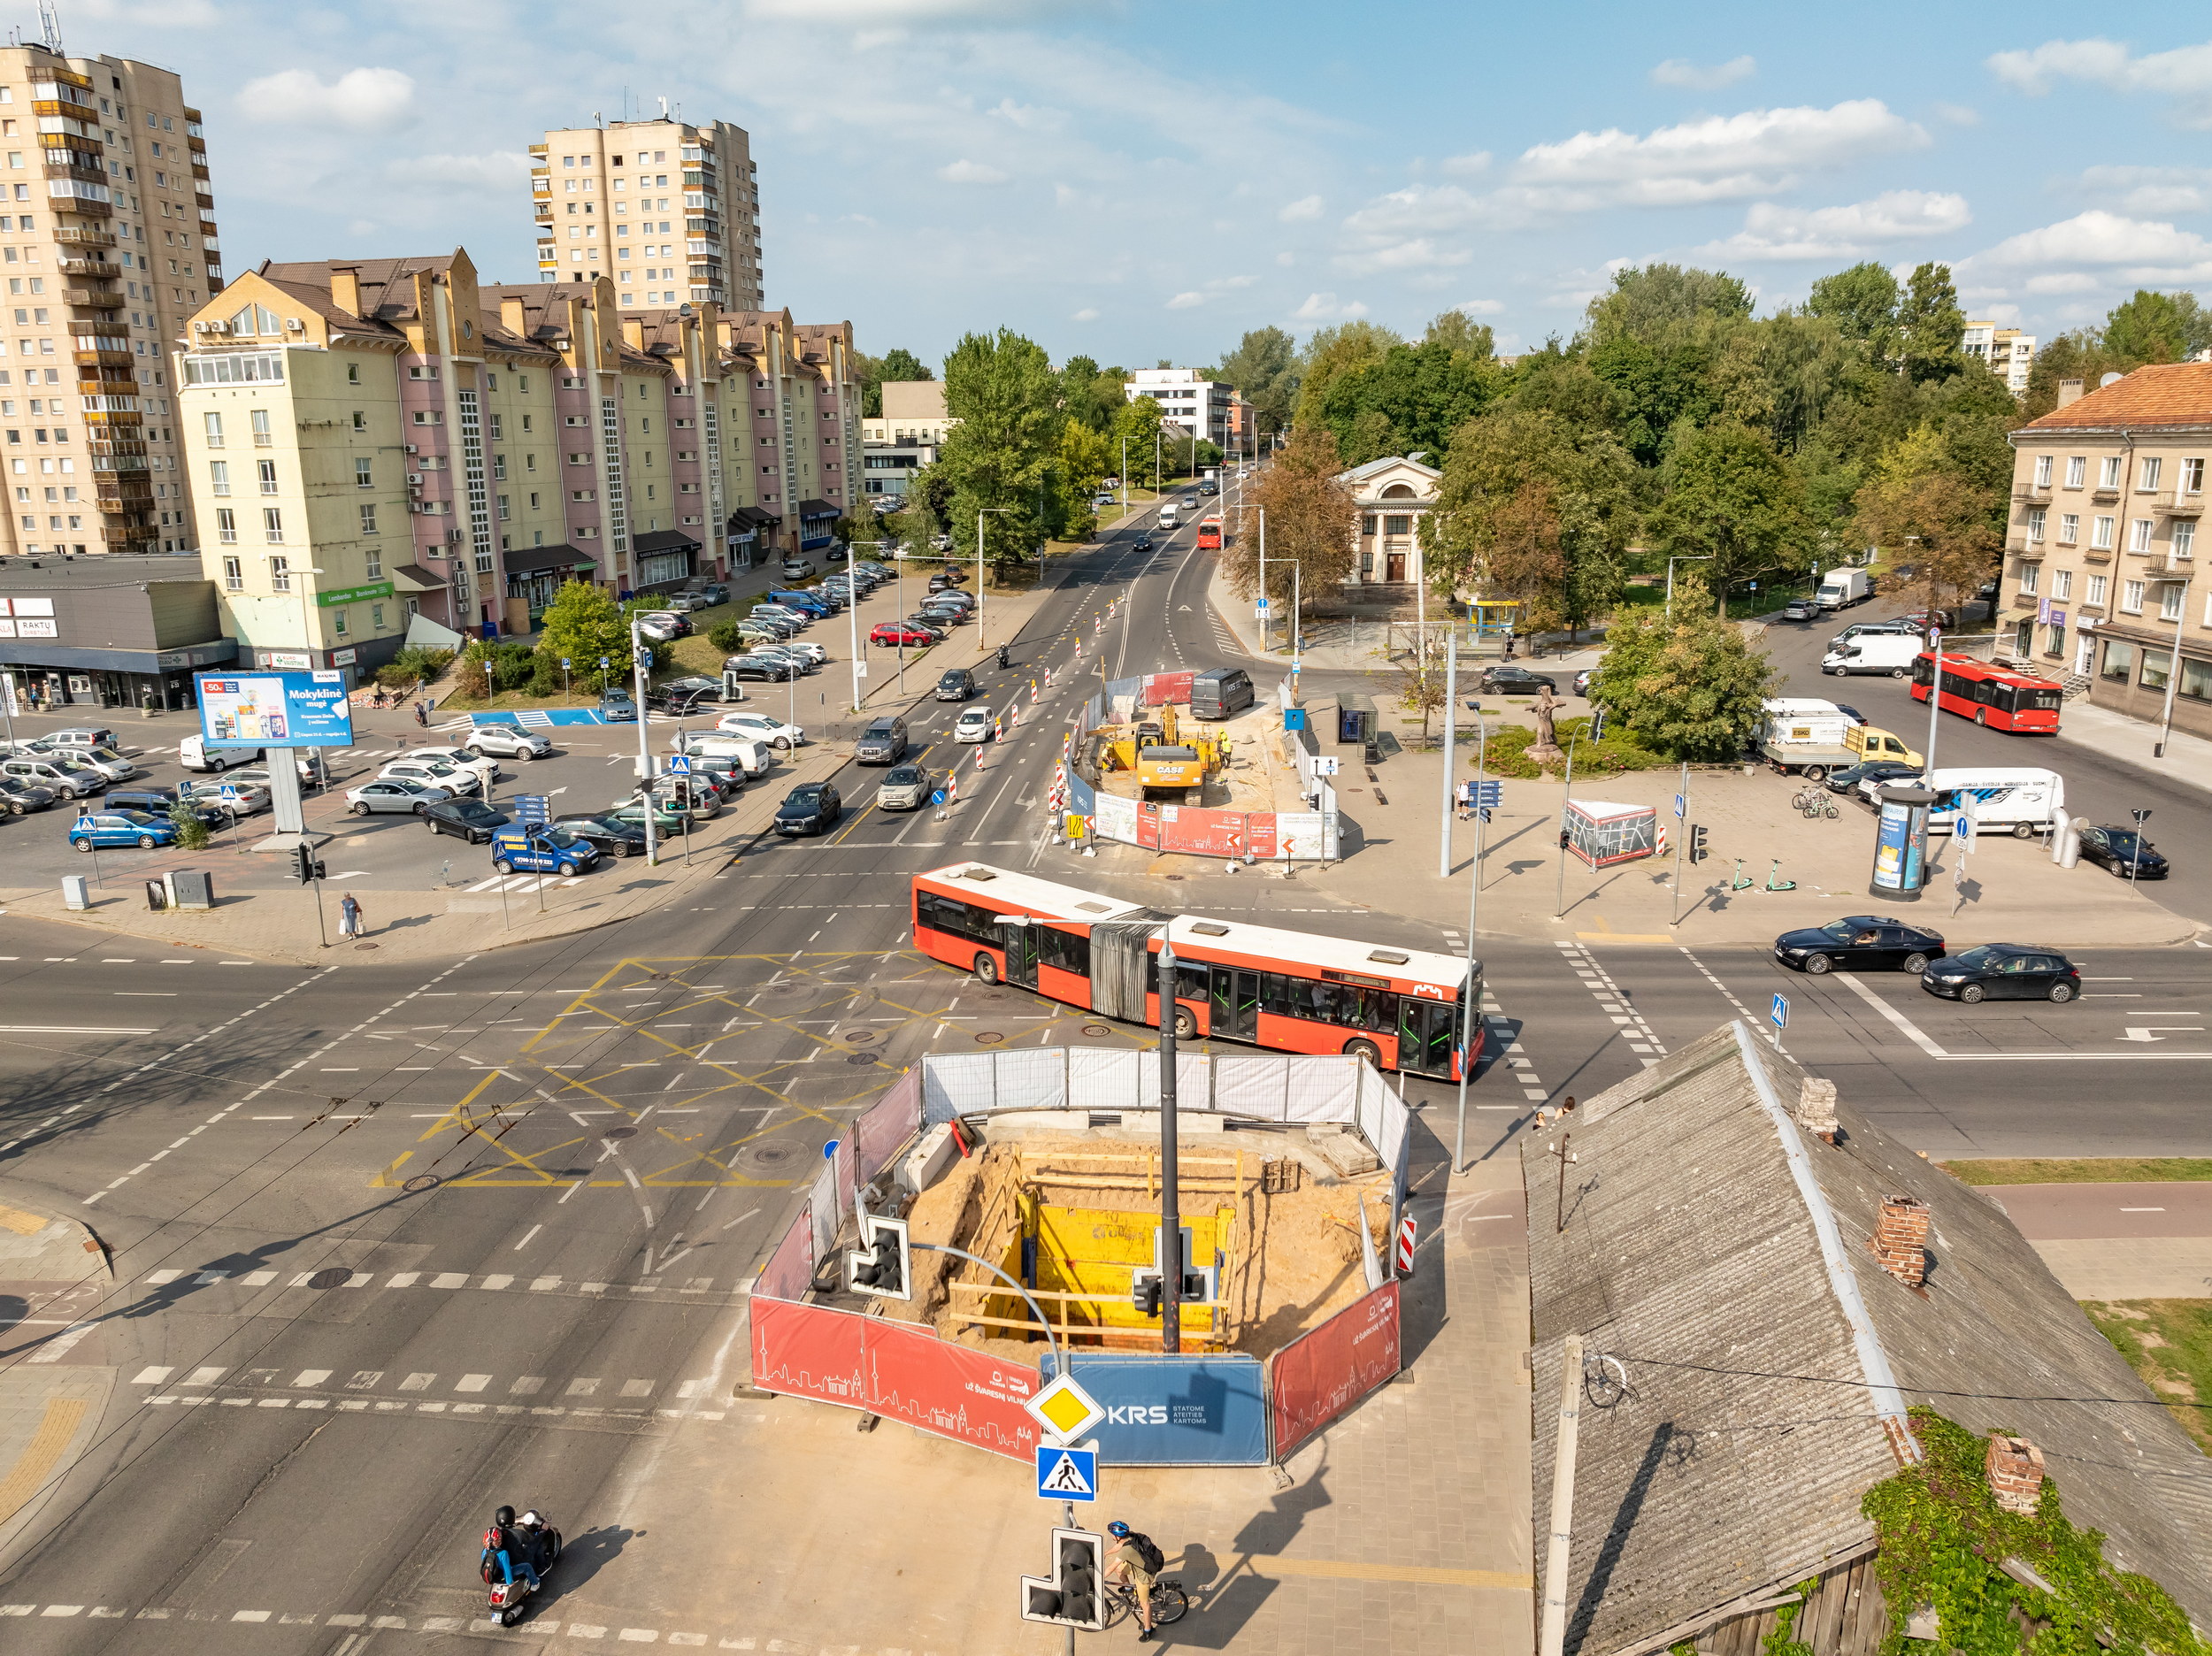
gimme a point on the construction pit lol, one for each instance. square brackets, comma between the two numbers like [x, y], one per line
[1163, 755]
[1271, 1220]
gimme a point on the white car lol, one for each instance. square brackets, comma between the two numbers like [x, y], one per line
[749, 754]
[972, 725]
[106, 761]
[760, 727]
[194, 754]
[391, 793]
[509, 741]
[449, 779]
[486, 768]
[661, 627]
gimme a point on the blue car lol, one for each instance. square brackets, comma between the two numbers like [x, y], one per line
[811, 603]
[539, 849]
[121, 828]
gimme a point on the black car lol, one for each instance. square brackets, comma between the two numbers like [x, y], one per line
[2123, 850]
[608, 837]
[469, 819]
[681, 696]
[1859, 943]
[1848, 780]
[811, 808]
[757, 667]
[956, 686]
[2005, 971]
[1143, 544]
[161, 801]
[1509, 680]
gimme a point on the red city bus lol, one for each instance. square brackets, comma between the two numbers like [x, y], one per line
[1990, 695]
[1286, 991]
[1209, 535]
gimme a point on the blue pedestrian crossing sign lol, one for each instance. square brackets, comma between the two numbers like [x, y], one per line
[229, 794]
[1066, 1475]
[679, 764]
[1779, 1017]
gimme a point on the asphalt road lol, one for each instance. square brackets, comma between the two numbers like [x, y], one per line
[395, 1243]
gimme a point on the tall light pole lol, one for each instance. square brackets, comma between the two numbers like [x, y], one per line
[1471, 1014]
[982, 624]
[638, 656]
[852, 610]
[1451, 739]
[2173, 675]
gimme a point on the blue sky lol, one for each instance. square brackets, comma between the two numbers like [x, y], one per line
[1134, 181]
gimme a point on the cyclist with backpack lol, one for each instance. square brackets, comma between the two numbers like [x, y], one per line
[1137, 1562]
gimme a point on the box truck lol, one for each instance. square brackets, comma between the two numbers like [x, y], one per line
[1842, 587]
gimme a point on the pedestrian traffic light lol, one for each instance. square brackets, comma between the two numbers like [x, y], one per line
[1073, 1597]
[880, 1265]
[1597, 724]
[1698, 852]
[304, 866]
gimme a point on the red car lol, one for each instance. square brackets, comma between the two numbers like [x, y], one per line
[899, 633]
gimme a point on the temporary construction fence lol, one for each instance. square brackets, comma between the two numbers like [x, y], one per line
[1602, 834]
[1254, 835]
[1209, 1409]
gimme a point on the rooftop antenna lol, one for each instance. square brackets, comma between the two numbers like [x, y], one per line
[50, 25]
[663, 103]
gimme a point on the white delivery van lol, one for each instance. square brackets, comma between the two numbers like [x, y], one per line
[1167, 518]
[2003, 799]
[194, 754]
[1891, 652]
[1805, 735]
[1842, 587]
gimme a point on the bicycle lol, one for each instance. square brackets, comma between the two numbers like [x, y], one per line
[1169, 1603]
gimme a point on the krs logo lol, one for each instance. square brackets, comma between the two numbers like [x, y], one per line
[1137, 1414]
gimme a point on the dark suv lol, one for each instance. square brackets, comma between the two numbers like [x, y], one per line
[956, 686]
[811, 808]
[883, 742]
[1517, 681]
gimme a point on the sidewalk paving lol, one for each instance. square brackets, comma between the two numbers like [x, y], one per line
[54, 1376]
[2188, 759]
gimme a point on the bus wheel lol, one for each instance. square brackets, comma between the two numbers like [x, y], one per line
[1981, 716]
[1186, 1024]
[1366, 1049]
[986, 969]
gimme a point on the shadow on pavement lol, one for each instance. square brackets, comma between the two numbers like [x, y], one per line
[584, 1556]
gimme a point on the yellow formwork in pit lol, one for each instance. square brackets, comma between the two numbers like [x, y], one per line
[1084, 1259]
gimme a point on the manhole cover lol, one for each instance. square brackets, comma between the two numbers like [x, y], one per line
[1177, 878]
[1097, 1029]
[367, 945]
[337, 1277]
[861, 1058]
[771, 1157]
[989, 1037]
[421, 1182]
[861, 1038]
[620, 1132]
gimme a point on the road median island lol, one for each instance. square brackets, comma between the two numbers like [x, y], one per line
[55, 1386]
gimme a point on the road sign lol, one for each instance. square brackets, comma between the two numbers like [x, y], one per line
[1490, 796]
[1962, 830]
[1779, 1015]
[679, 764]
[1325, 765]
[829, 1150]
[229, 795]
[563, 663]
[1681, 806]
[1065, 1409]
[532, 808]
[937, 796]
[1405, 1245]
[1066, 1474]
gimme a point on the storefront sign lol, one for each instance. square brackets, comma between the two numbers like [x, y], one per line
[354, 594]
[31, 627]
[280, 710]
[342, 658]
[297, 660]
[26, 605]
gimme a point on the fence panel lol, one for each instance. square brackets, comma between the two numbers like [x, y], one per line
[1186, 828]
[1103, 1078]
[791, 1266]
[1160, 688]
[883, 1128]
[1035, 1078]
[1182, 1410]
[1320, 1376]
[1255, 1087]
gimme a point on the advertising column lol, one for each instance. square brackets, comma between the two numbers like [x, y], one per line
[1900, 844]
[277, 713]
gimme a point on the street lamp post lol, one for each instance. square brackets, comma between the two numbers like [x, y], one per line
[1471, 1014]
[638, 658]
[2173, 675]
[852, 607]
[2135, 859]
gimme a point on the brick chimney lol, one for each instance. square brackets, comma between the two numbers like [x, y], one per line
[2015, 1466]
[2069, 391]
[514, 315]
[1900, 1240]
[345, 288]
[1815, 1109]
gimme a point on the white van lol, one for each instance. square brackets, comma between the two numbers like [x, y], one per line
[1891, 652]
[2017, 798]
[1167, 518]
[194, 754]
[1842, 587]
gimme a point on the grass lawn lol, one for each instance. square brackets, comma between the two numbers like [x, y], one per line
[2083, 1170]
[2169, 1341]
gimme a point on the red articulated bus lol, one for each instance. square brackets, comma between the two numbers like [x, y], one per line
[1990, 695]
[1209, 535]
[1286, 991]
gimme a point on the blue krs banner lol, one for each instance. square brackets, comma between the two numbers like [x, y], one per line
[1176, 1411]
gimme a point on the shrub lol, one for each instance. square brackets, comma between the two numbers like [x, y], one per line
[1617, 752]
[724, 636]
[420, 661]
[191, 832]
[545, 676]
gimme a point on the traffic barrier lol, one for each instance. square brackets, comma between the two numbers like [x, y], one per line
[1405, 1245]
[1320, 1376]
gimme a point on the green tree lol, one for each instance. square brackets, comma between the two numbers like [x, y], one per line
[1458, 332]
[1689, 686]
[1310, 518]
[583, 623]
[1654, 389]
[1929, 511]
[1089, 394]
[1407, 401]
[1136, 424]
[2156, 327]
[1931, 327]
[1263, 368]
[1337, 350]
[1006, 397]
[1080, 466]
[1862, 302]
[1661, 305]
[1731, 498]
[901, 364]
[1372, 435]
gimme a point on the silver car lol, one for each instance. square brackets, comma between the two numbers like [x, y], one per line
[430, 773]
[392, 794]
[905, 787]
[246, 799]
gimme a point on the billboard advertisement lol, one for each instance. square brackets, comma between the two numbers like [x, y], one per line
[1900, 844]
[275, 710]
[1206, 1410]
[1318, 1377]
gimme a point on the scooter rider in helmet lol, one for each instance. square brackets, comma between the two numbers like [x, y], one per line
[507, 1551]
[1005, 660]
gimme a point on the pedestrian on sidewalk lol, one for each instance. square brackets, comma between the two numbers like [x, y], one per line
[350, 923]
[420, 717]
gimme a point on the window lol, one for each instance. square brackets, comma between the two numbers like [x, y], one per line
[2196, 679]
[226, 524]
[2139, 534]
[2043, 470]
[279, 574]
[2061, 584]
[2192, 480]
[2158, 666]
[360, 419]
[2108, 471]
[353, 373]
[364, 472]
[368, 517]
[2097, 587]
[376, 614]
[267, 468]
[2119, 660]
[2069, 528]
[2146, 472]
[260, 418]
[2076, 470]
[2102, 532]
[2171, 595]
[2029, 575]
[428, 417]
[233, 575]
[2185, 537]
[214, 431]
[338, 622]
[272, 523]
[218, 476]
[2131, 597]
[492, 426]
[506, 511]
[2035, 526]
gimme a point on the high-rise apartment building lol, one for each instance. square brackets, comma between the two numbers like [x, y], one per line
[2005, 351]
[107, 244]
[370, 440]
[668, 211]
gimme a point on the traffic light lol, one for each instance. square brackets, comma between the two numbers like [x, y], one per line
[1698, 852]
[880, 1264]
[1565, 839]
[1071, 1598]
[1144, 1292]
[304, 866]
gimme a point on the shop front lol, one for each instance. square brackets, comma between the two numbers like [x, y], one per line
[109, 633]
[752, 535]
[666, 558]
[535, 576]
[817, 523]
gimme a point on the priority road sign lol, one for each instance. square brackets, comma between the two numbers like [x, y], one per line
[1066, 1474]
[1065, 1409]
[1779, 1015]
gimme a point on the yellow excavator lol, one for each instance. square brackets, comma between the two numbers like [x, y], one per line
[1168, 767]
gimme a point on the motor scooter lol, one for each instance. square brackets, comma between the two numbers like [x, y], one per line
[511, 1600]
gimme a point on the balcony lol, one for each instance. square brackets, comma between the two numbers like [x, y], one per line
[98, 270]
[206, 201]
[2034, 494]
[103, 358]
[2167, 566]
[84, 235]
[83, 174]
[94, 298]
[2021, 546]
[2105, 493]
[82, 206]
[2178, 503]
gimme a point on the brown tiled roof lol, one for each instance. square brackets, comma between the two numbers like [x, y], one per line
[2164, 394]
[388, 287]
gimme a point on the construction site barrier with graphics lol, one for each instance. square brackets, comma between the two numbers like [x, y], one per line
[1200, 1409]
[1258, 836]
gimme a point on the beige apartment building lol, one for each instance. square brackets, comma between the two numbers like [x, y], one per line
[2005, 351]
[107, 244]
[668, 211]
[2100, 568]
[373, 440]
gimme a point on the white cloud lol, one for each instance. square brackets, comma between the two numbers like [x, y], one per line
[1839, 232]
[2064, 282]
[1088, 313]
[1467, 165]
[1957, 114]
[971, 172]
[846, 12]
[1421, 209]
[1479, 307]
[2092, 250]
[1305, 207]
[1186, 301]
[496, 170]
[1680, 72]
[2184, 74]
[1326, 307]
[1419, 253]
[363, 100]
[2146, 190]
